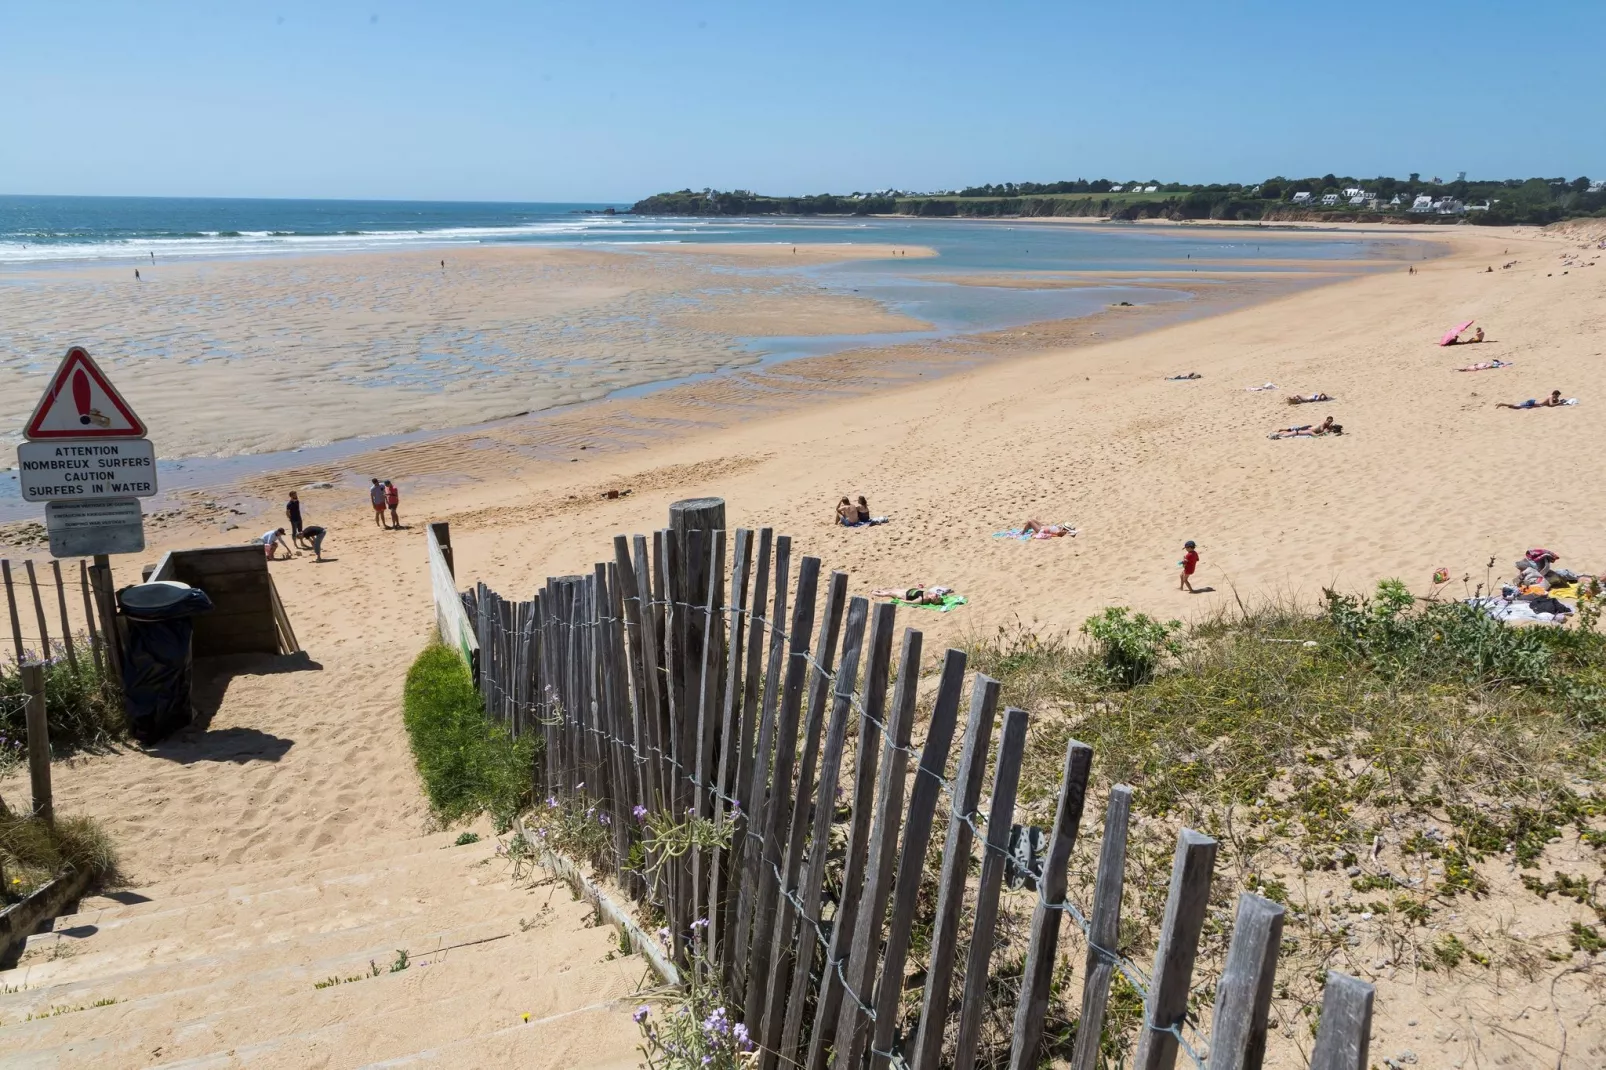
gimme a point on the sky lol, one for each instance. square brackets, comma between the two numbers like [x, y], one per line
[611, 101]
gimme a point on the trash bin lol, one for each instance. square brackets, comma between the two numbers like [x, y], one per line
[156, 664]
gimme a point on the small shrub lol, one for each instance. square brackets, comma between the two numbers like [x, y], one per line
[1131, 645]
[693, 1029]
[467, 764]
[78, 708]
[466, 838]
[32, 852]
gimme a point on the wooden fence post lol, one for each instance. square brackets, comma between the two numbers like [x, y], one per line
[955, 871]
[1105, 929]
[994, 860]
[820, 838]
[89, 618]
[33, 681]
[38, 611]
[928, 785]
[1040, 952]
[11, 604]
[66, 624]
[1345, 1034]
[1179, 944]
[1243, 995]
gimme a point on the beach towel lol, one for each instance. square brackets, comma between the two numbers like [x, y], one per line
[949, 601]
[1263, 386]
[1023, 535]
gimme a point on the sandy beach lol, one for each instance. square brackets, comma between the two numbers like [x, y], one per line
[1071, 422]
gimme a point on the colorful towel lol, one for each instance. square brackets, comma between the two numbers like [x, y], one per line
[1263, 386]
[949, 601]
[1022, 534]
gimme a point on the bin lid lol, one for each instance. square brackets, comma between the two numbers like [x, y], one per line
[160, 594]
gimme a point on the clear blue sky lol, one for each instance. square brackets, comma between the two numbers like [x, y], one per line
[611, 101]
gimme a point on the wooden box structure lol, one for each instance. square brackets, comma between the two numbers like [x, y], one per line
[248, 617]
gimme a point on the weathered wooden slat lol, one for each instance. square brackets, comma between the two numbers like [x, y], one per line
[928, 786]
[1179, 944]
[89, 617]
[780, 959]
[709, 679]
[729, 730]
[778, 813]
[1105, 927]
[630, 600]
[66, 624]
[746, 741]
[1041, 950]
[955, 869]
[1344, 1037]
[1243, 995]
[38, 610]
[11, 604]
[813, 877]
[853, 1023]
[873, 706]
[994, 860]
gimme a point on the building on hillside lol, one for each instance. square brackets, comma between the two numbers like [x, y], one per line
[1397, 201]
[1448, 206]
[1484, 207]
[1423, 203]
[1597, 187]
[1359, 199]
[1329, 200]
[1150, 189]
[1354, 191]
[1302, 197]
[1117, 189]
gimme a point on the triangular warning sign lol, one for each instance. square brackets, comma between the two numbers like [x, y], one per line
[82, 403]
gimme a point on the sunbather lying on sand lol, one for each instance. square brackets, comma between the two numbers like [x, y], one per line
[1553, 401]
[1326, 427]
[1178, 378]
[920, 596]
[1039, 530]
[1306, 399]
[1486, 365]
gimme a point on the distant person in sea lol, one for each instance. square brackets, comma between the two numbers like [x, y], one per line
[292, 512]
[376, 497]
[274, 540]
[1189, 562]
[392, 500]
[314, 534]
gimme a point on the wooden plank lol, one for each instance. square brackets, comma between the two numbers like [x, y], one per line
[994, 860]
[813, 880]
[955, 869]
[33, 682]
[873, 704]
[1044, 942]
[1179, 943]
[11, 604]
[780, 956]
[38, 610]
[928, 786]
[709, 678]
[1344, 1036]
[289, 644]
[89, 617]
[652, 681]
[1105, 928]
[66, 624]
[630, 599]
[853, 1024]
[778, 812]
[1243, 995]
[746, 742]
[719, 867]
[758, 784]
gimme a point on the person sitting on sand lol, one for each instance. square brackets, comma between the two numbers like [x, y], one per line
[1306, 399]
[846, 514]
[1179, 378]
[1485, 365]
[1553, 401]
[1039, 530]
[862, 512]
[1477, 335]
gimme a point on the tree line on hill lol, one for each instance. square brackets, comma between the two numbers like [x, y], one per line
[1488, 202]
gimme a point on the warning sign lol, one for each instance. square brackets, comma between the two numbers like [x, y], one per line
[64, 469]
[82, 403]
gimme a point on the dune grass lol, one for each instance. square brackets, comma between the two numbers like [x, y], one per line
[32, 852]
[82, 714]
[467, 765]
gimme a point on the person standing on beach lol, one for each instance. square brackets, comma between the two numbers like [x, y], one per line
[376, 496]
[136, 274]
[1189, 562]
[392, 499]
[292, 512]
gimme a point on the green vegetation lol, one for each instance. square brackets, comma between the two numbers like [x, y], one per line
[467, 764]
[1487, 202]
[79, 709]
[1382, 748]
[32, 853]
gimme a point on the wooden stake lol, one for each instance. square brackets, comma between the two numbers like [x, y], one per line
[1345, 1034]
[1179, 942]
[33, 681]
[1105, 928]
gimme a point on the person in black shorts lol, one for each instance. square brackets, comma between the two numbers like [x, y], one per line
[314, 534]
[292, 511]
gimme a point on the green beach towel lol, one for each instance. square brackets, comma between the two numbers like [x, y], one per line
[949, 601]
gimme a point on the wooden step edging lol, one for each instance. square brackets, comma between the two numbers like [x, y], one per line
[18, 921]
[616, 915]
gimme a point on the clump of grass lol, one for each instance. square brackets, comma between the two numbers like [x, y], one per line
[79, 709]
[32, 852]
[468, 765]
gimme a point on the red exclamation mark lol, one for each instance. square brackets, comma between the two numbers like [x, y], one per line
[80, 395]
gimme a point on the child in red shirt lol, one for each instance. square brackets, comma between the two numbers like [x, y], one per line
[1189, 562]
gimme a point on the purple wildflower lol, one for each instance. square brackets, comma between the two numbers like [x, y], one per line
[639, 812]
[641, 1014]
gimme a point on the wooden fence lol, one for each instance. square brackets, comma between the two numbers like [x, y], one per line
[747, 711]
[65, 612]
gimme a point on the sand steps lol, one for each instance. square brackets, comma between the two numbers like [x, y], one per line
[220, 970]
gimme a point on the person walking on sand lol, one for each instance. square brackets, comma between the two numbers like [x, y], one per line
[392, 499]
[1189, 562]
[292, 513]
[314, 534]
[376, 496]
